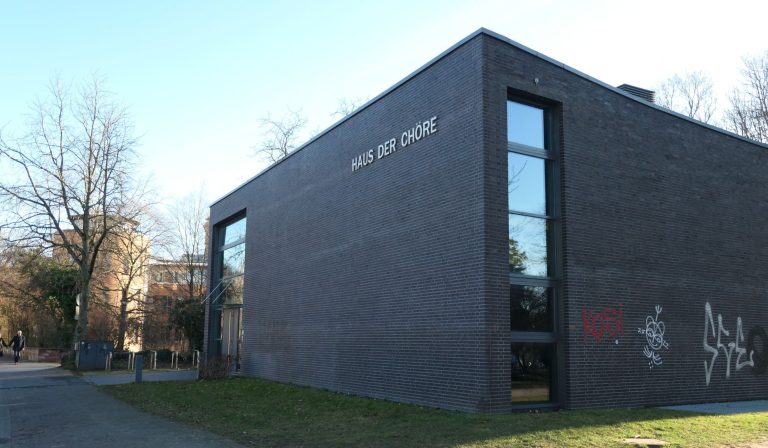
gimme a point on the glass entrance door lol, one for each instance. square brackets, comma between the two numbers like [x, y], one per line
[231, 319]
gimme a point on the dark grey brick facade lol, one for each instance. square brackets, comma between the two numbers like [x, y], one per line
[391, 281]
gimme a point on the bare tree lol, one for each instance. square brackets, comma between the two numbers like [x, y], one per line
[691, 94]
[68, 181]
[347, 105]
[748, 114]
[17, 294]
[127, 273]
[38, 296]
[280, 135]
[188, 218]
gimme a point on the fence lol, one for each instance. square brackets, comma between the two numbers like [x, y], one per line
[154, 360]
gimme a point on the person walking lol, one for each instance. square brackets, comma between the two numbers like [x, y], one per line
[3, 345]
[17, 342]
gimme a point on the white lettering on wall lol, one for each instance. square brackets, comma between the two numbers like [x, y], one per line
[362, 160]
[420, 131]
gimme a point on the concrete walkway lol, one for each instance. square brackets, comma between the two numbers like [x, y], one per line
[733, 407]
[146, 375]
[42, 405]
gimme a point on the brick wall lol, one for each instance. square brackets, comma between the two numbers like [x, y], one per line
[371, 281]
[656, 211]
[38, 354]
[392, 281]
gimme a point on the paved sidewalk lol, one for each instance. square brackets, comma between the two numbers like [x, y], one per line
[42, 405]
[733, 407]
[146, 375]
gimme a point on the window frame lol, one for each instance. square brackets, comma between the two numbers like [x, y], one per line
[550, 291]
[550, 154]
[547, 175]
[554, 379]
[218, 279]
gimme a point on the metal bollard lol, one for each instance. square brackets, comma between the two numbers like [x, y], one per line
[175, 360]
[154, 359]
[130, 361]
[108, 367]
[139, 360]
[196, 358]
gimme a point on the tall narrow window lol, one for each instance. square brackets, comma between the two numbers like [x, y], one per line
[227, 294]
[532, 290]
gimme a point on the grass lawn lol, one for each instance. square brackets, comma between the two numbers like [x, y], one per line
[265, 414]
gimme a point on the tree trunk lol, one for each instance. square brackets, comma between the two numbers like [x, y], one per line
[123, 326]
[192, 347]
[82, 323]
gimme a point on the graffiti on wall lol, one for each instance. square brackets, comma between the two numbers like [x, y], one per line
[726, 347]
[608, 322]
[654, 337]
[750, 352]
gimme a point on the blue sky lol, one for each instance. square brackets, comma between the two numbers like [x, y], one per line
[197, 76]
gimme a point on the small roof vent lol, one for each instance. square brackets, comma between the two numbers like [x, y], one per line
[643, 94]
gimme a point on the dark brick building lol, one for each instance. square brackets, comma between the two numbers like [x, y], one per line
[496, 231]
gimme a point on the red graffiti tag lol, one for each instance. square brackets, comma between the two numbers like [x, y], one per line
[609, 321]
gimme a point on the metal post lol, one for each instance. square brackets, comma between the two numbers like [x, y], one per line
[175, 360]
[108, 367]
[131, 360]
[154, 359]
[139, 359]
[196, 358]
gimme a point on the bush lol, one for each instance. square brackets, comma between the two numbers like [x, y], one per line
[68, 360]
[164, 355]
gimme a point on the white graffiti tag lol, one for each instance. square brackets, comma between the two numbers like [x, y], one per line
[728, 349]
[654, 336]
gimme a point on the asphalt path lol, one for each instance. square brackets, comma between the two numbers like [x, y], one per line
[42, 405]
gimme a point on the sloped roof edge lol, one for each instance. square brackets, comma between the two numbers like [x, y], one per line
[616, 89]
[453, 48]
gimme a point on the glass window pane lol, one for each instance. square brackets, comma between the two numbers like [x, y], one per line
[525, 124]
[234, 232]
[527, 245]
[234, 260]
[233, 294]
[526, 184]
[530, 308]
[531, 372]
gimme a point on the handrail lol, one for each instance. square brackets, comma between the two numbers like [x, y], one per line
[213, 291]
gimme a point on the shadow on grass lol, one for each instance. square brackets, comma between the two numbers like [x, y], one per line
[261, 413]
